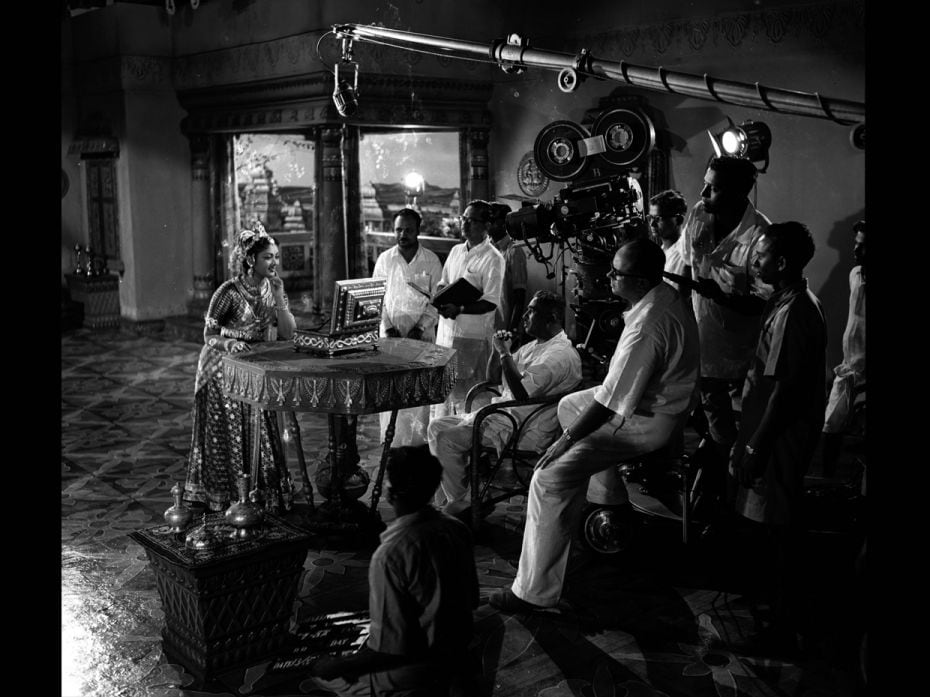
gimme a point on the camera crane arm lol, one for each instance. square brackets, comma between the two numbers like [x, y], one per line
[514, 54]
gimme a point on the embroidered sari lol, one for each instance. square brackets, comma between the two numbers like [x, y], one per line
[221, 446]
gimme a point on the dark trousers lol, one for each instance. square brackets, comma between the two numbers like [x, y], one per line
[717, 404]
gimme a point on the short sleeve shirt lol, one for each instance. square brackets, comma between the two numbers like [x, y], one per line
[655, 364]
[546, 368]
[483, 267]
[423, 586]
[728, 338]
[675, 260]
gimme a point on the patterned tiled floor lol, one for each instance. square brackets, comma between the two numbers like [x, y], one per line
[666, 621]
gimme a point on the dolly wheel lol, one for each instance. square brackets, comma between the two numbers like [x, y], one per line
[607, 531]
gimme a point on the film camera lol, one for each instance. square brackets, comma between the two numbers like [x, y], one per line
[591, 217]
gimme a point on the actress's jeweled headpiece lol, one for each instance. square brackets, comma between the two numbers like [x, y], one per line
[248, 238]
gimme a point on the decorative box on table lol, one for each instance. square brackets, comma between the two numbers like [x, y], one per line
[226, 606]
[354, 322]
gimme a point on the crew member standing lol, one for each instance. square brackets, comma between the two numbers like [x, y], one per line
[509, 315]
[721, 233]
[468, 327]
[407, 312]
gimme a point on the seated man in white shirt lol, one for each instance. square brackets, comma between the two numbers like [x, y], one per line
[547, 365]
[648, 390]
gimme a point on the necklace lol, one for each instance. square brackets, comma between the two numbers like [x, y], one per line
[252, 294]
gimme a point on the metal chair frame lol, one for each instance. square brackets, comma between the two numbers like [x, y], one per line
[516, 457]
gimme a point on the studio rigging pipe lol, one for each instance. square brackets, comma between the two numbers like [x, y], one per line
[513, 54]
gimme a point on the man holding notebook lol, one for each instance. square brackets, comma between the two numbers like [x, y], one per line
[467, 314]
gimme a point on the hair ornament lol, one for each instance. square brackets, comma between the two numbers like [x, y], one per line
[249, 237]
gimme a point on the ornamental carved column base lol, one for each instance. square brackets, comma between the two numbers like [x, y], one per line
[200, 296]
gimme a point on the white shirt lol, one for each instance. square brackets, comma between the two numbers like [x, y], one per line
[655, 364]
[854, 334]
[675, 260]
[403, 306]
[545, 368]
[483, 267]
[728, 338]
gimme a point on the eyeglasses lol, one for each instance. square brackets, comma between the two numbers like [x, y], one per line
[471, 219]
[656, 218]
[613, 273]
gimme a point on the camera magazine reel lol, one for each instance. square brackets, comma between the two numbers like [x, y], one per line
[628, 136]
[560, 152]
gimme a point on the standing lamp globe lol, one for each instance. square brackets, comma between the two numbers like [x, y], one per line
[414, 185]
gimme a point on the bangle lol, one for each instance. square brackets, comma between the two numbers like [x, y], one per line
[282, 308]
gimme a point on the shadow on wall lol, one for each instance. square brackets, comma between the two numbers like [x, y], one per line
[834, 292]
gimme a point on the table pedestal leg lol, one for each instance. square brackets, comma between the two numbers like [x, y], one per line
[256, 444]
[379, 480]
[343, 514]
[293, 428]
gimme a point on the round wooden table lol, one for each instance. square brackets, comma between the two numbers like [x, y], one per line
[399, 373]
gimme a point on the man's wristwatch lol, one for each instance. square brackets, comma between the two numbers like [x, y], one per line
[461, 310]
[567, 435]
[749, 450]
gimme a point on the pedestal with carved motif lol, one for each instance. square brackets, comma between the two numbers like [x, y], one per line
[227, 606]
[100, 297]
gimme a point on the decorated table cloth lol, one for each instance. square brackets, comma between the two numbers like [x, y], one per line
[399, 373]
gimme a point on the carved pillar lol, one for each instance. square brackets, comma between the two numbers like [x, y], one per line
[201, 257]
[477, 148]
[358, 266]
[329, 247]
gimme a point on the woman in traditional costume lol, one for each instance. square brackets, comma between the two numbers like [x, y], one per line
[249, 308]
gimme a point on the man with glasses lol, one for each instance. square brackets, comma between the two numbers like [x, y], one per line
[720, 236]
[648, 391]
[549, 364]
[667, 210]
[467, 328]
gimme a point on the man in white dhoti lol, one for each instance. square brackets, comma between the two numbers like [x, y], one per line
[407, 312]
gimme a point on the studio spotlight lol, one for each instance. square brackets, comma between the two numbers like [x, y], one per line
[749, 141]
